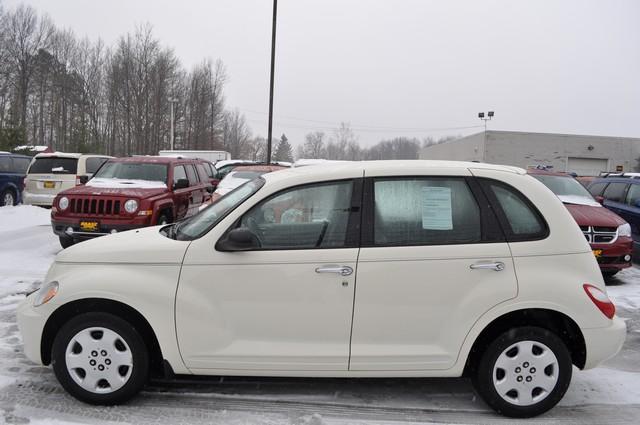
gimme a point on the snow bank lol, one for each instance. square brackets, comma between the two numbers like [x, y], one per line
[22, 216]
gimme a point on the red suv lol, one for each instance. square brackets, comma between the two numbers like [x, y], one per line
[608, 234]
[127, 193]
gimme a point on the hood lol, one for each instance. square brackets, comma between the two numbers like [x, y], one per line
[139, 246]
[586, 215]
[140, 189]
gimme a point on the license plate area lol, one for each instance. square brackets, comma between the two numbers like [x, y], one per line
[89, 226]
[49, 185]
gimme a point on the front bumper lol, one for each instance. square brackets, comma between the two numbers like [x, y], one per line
[604, 343]
[60, 227]
[615, 256]
[39, 199]
[31, 322]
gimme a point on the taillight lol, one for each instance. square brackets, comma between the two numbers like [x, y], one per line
[78, 183]
[601, 300]
[24, 182]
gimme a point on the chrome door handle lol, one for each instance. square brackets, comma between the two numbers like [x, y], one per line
[341, 270]
[497, 266]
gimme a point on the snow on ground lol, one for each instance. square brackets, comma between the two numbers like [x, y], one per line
[30, 394]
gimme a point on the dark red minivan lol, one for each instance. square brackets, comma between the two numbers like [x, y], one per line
[608, 234]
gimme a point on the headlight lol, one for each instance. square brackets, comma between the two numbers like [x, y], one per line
[624, 230]
[63, 203]
[45, 293]
[131, 206]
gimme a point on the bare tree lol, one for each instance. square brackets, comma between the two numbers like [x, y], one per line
[314, 146]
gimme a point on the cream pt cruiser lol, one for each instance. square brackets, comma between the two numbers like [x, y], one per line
[366, 269]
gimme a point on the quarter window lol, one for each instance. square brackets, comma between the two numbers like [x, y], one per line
[615, 192]
[306, 217]
[20, 165]
[191, 173]
[523, 221]
[5, 164]
[425, 211]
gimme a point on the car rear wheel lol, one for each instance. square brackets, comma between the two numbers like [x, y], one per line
[66, 241]
[100, 359]
[7, 198]
[524, 372]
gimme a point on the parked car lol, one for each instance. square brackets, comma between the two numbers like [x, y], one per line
[607, 233]
[128, 193]
[13, 169]
[461, 269]
[621, 194]
[239, 175]
[224, 167]
[211, 173]
[51, 173]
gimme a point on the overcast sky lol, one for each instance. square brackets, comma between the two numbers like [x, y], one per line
[401, 67]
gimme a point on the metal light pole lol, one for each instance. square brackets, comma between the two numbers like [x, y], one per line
[484, 141]
[273, 63]
[172, 100]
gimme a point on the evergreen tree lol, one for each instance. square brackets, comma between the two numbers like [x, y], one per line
[283, 151]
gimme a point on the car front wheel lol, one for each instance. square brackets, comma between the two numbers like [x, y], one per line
[100, 359]
[524, 372]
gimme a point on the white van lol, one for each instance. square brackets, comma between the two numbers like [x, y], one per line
[51, 173]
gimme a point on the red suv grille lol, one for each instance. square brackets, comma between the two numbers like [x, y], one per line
[94, 206]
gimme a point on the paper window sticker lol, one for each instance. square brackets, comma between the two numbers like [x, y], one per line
[436, 208]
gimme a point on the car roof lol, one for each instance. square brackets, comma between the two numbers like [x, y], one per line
[3, 153]
[151, 159]
[538, 172]
[630, 180]
[58, 155]
[321, 171]
[267, 168]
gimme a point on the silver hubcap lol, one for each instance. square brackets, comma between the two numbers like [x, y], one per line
[525, 373]
[99, 360]
[8, 199]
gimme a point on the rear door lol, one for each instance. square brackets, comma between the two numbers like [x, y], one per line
[182, 197]
[432, 262]
[196, 189]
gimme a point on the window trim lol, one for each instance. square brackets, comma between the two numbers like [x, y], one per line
[354, 222]
[502, 217]
[490, 230]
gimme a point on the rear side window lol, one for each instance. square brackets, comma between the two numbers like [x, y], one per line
[597, 188]
[615, 192]
[20, 165]
[425, 211]
[5, 164]
[202, 172]
[521, 220]
[54, 164]
[93, 164]
[191, 174]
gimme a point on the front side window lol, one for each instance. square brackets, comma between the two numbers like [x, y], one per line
[5, 164]
[306, 217]
[615, 192]
[633, 195]
[597, 188]
[425, 211]
[523, 221]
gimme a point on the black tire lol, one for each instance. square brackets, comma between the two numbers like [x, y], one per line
[66, 241]
[484, 383]
[139, 354]
[8, 197]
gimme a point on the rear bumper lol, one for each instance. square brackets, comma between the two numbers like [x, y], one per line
[604, 343]
[61, 227]
[40, 199]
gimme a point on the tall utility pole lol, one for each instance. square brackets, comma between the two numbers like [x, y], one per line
[484, 141]
[172, 100]
[273, 63]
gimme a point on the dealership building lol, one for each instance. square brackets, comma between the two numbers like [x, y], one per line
[584, 155]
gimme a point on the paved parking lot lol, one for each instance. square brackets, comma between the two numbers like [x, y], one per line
[31, 394]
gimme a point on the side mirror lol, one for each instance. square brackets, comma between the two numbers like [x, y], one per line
[181, 184]
[211, 189]
[240, 239]
[83, 179]
[599, 199]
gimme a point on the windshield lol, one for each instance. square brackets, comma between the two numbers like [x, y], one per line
[133, 171]
[564, 186]
[201, 223]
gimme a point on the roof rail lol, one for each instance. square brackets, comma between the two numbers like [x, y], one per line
[627, 175]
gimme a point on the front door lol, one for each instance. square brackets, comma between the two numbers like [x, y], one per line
[286, 306]
[432, 263]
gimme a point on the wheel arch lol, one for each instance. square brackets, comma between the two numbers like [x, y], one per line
[559, 323]
[67, 311]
